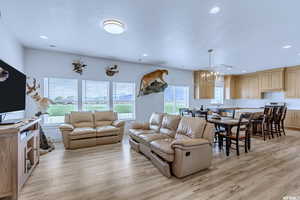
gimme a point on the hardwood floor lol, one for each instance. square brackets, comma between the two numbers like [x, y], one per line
[270, 171]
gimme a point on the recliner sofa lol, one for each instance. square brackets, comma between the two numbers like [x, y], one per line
[86, 129]
[176, 145]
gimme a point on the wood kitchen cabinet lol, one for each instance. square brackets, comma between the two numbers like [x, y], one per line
[230, 87]
[247, 87]
[292, 119]
[292, 82]
[203, 86]
[272, 80]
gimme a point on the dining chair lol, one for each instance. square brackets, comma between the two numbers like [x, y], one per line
[184, 111]
[241, 133]
[282, 127]
[278, 120]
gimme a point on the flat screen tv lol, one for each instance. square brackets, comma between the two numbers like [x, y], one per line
[12, 89]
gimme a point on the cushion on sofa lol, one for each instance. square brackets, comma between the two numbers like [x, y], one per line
[147, 138]
[141, 131]
[105, 116]
[85, 132]
[191, 127]
[82, 119]
[163, 148]
[155, 121]
[107, 130]
[169, 124]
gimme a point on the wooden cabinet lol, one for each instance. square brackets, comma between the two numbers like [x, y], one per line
[292, 119]
[203, 85]
[230, 87]
[292, 82]
[247, 86]
[19, 155]
[272, 80]
[265, 81]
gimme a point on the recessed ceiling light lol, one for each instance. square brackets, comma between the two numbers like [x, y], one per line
[113, 26]
[244, 71]
[287, 46]
[215, 10]
[44, 37]
[145, 55]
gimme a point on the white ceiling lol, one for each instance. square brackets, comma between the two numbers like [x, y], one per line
[247, 34]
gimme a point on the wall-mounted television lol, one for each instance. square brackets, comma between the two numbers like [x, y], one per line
[12, 89]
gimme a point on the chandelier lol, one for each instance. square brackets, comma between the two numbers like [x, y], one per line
[210, 74]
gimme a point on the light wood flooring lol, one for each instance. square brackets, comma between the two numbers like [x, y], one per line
[270, 171]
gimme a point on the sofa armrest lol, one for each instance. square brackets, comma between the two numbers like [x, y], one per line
[66, 127]
[189, 143]
[118, 123]
[138, 125]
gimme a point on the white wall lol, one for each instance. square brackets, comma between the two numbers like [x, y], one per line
[41, 64]
[11, 52]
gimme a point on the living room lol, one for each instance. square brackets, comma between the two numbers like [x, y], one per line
[131, 100]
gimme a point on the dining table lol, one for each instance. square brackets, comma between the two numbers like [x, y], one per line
[228, 123]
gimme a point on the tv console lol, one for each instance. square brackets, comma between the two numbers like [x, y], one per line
[8, 122]
[19, 148]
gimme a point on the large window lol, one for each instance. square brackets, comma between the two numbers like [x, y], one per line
[219, 92]
[219, 96]
[95, 95]
[64, 92]
[176, 97]
[124, 99]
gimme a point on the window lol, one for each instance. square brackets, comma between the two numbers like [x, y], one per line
[219, 92]
[176, 97]
[124, 100]
[64, 93]
[95, 95]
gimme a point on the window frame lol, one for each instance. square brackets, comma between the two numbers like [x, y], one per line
[83, 93]
[134, 98]
[174, 97]
[218, 84]
[46, 94]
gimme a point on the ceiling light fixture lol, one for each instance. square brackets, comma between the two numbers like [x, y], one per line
[215, 10]
[244, 71]
[44, 37]
[145, 55]
[287, 46]
[113, 26]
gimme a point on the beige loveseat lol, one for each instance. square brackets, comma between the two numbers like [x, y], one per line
[85, 129]
[176, 145]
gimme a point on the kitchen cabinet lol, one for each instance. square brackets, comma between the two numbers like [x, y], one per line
[247, 87]
[230, 87]
[204, 86]
[272, 80]
[292, 119]
[292, 82]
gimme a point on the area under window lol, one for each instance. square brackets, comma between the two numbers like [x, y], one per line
[95, 95]
[124, 99]
[64, 93]
[176, 97]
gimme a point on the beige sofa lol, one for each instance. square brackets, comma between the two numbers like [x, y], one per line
[176, 145]
[85, 129]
